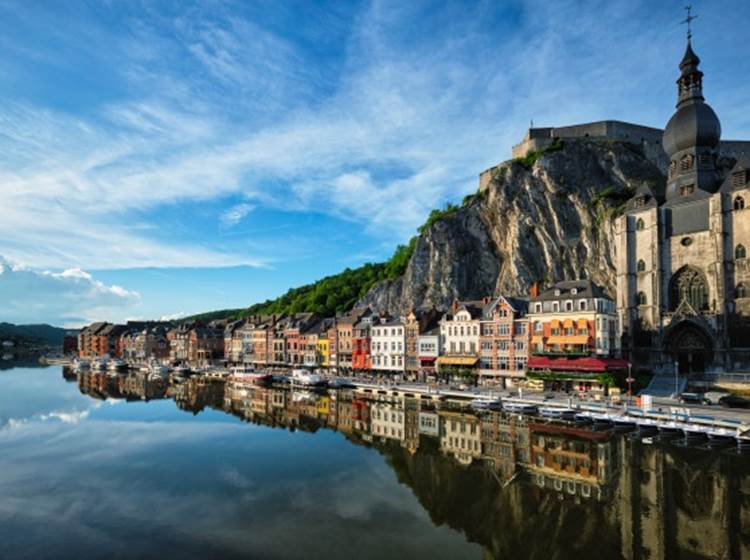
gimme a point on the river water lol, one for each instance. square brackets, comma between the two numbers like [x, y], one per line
[94, 466]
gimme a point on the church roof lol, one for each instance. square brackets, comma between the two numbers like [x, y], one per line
[730, 183]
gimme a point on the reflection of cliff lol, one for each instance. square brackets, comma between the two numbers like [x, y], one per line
[668, 503]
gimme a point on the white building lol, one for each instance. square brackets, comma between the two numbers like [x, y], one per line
[429, 348]
[459, 331]
[388, 342]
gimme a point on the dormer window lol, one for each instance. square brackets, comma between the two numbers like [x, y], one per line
[686, 163]
[557, 292]
[687, 190]
[582, 305]
[640, 201]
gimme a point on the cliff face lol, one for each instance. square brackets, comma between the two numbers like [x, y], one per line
[546, 220]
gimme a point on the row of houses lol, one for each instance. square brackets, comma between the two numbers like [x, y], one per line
[568, 328]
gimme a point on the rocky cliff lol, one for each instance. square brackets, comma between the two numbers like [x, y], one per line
[546, 217]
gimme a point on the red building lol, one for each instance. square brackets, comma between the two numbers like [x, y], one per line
[361, 356]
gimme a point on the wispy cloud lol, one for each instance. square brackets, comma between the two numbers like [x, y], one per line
[385, 125]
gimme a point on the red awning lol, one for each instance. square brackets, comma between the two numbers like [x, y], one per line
[588, 364]
[427, 359]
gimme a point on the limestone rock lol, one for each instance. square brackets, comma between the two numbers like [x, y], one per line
[544, 220]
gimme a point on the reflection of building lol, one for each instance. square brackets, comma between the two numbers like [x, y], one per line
[683, 274]
[460, 436]
[570, 459]
[429, 423]
[505, 441]
[387, 418]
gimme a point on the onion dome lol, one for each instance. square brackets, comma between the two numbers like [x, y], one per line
[694, 124]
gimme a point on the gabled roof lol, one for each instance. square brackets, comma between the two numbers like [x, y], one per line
[645, 191]
[518, 305]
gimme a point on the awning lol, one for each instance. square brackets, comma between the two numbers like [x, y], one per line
[457, 361]
[568, 324]
[555, 324]
[583, 324]
[427, 359]
[587, 364]
[536, 339]
[583, 339]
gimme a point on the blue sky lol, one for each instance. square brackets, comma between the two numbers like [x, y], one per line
[165, 158]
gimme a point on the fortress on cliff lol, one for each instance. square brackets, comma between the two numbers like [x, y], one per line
[648, 138]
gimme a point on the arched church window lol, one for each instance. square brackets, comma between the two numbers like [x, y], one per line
[740, 252]
[641, 266]
[739, 203]
[689, 285]
[640, 224]
[740, 291]
[640, 298]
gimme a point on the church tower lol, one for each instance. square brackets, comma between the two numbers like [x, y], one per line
[691, 138]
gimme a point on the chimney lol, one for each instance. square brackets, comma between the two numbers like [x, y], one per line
[534, 290]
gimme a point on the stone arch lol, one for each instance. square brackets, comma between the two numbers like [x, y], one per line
[690, 347]
[739, 203]
[688, 284]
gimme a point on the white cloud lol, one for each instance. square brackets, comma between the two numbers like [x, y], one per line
[236, 214]
[220, 106]
[66, 298]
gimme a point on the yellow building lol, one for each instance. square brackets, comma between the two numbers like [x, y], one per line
[322, 349]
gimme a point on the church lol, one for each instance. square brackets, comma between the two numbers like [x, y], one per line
[683, 274]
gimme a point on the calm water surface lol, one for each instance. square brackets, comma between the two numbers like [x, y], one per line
[93, 466]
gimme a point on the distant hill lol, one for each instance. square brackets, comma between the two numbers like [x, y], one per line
[327, 296]
[42, 333]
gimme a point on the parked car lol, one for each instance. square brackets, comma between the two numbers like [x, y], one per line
[733, 401]
[694, 398]
[713, 396]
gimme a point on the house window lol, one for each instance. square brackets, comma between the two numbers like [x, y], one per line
[740, 252]
[641, 266]
[739, 203]
[538, 307]
[640, 202]
[582, 305]
[687, 190]
[740, 291]
[640, 224]
[568, 306]
[640, 298]
[556, 306]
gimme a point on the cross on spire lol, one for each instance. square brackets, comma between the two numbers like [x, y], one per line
[688, 20]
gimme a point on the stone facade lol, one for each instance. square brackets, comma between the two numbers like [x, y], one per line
[682, 267]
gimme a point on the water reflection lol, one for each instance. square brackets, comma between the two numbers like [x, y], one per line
[518, 486]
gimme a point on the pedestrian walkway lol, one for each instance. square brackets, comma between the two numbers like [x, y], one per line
[664, 385]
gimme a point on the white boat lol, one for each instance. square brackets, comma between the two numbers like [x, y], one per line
[80, 364]
[304, 377]
[555, 412]
[101, 363]
[521, 408]
[116, 365]
[245, 369]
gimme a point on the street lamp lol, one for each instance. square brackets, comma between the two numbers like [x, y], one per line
[630, 381]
